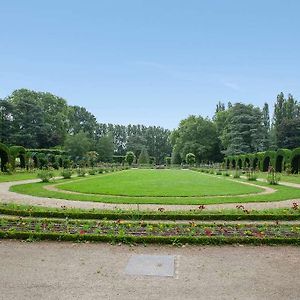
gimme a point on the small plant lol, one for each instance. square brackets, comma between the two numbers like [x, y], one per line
[218, 172]
[237, 173]
[92, 171]
[251, 175]
[272, 178]
[45, 175]
[226, 174]
[295, 206]
[288, 169]
[81, 172]
[66, 173]
[130, 157]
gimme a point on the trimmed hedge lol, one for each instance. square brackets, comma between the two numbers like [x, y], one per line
[280, 160]
[175, 240]
[114, 215]
[5, 157]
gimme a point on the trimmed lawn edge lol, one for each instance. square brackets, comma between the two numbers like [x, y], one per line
[111, 215]
[127, 239]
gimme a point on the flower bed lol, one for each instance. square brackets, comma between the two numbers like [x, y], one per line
[149, 232]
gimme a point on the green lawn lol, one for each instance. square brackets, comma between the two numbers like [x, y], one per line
[158, 183]
[282, 193]
[23, 175]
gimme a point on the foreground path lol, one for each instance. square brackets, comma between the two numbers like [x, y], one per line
[7, 196]
[48, 270]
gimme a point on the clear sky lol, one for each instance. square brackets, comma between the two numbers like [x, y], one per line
[151, 61]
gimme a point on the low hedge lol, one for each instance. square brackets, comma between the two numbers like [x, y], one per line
[203, 240]
[115, 215]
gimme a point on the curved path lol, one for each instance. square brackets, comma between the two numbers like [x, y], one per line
[7, 196]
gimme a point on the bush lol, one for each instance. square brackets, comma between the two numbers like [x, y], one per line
[218, 172]
[226, 174]
[81, 172]
[272, 178]
[66, 173]
[45, 175]
[168, 160]
[130, 157]
[92, 171]
[237, 173]
[251, 175]
[190, 158]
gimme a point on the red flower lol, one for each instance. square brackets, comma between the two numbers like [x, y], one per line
[207, 232]
[81, 232]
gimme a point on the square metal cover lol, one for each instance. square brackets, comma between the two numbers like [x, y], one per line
[151, 265]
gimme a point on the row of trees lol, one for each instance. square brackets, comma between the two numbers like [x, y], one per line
[43, 120]
[238, 129]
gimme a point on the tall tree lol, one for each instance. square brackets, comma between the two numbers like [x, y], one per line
[199, 136]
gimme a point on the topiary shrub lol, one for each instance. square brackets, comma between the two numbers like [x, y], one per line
[130, 157]
[190, 158]
[144, 157]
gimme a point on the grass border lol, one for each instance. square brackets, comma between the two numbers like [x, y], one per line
[127, 239]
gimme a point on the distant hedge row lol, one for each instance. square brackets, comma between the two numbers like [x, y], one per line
[280, 160]
[40, 157]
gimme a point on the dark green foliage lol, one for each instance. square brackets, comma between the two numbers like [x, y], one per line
[144, 157]
[196, 135]
[78, 145]
[105, 148]
[130, 157]
[190, 158]
[243, 130]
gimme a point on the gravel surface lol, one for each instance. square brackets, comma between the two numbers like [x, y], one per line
[7, 196]
[48, 270]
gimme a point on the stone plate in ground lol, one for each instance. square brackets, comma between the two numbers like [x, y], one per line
[151, 265]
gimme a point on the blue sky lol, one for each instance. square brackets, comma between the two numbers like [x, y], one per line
[151, 62]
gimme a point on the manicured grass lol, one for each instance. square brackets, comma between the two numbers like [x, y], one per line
[17, 176]
[160, 183]
[282, 193]
[21, 175]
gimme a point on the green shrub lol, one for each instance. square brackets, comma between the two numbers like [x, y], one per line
[45, 175]
[251, 175]
[81, 172]
[272, 178]
[218, 172]
[226, 173]
[237, 173]
[130, 157]
[190, 158]
[66, 173]
[92, 171]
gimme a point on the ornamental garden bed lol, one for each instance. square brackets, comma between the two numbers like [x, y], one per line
[143, 231]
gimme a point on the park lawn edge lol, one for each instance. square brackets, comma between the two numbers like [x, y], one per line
[36, 189]
[225, 214]
[128, 239]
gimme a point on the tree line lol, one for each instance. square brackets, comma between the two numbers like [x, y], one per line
[42, 120]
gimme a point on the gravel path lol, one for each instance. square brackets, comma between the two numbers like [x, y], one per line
[7, 196]
[48, 270]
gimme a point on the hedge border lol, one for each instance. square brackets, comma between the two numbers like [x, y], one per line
[110, 215]
[203, 240]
